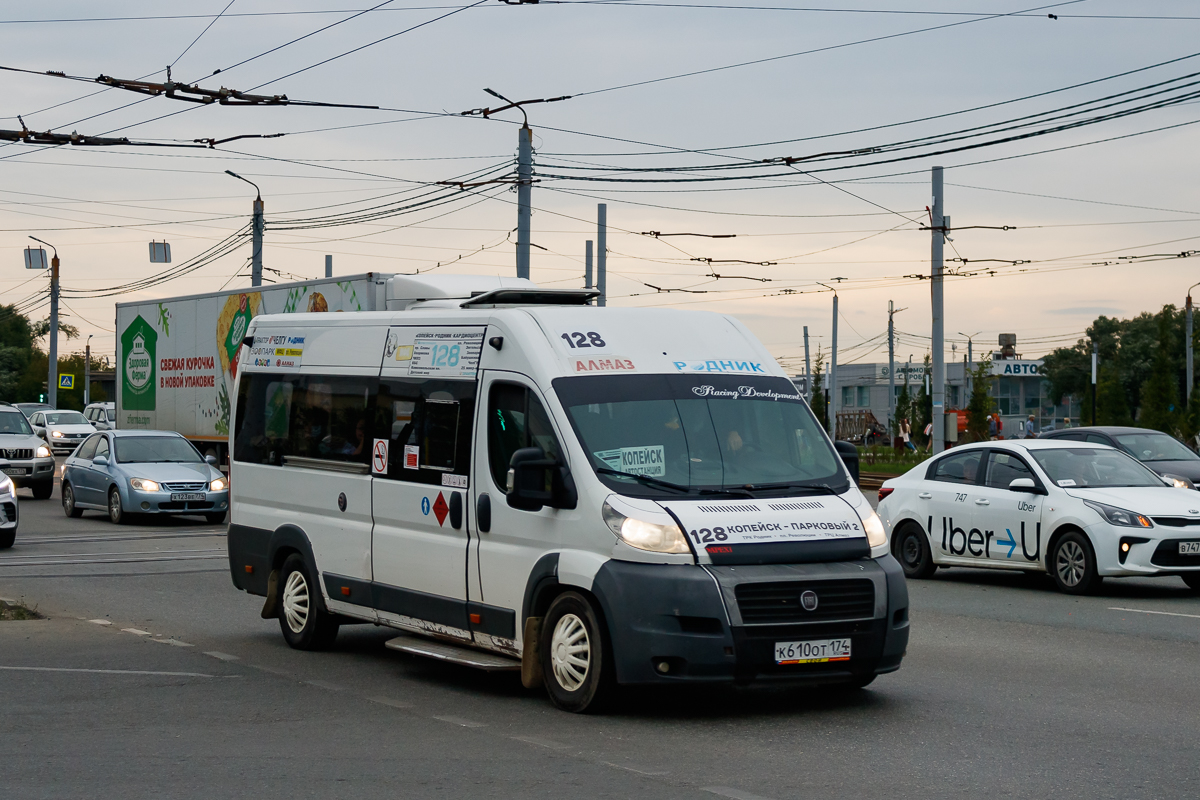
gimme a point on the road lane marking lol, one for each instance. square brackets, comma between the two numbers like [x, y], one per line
[651, 773]
[114, 553]
[1162, 613]
[466, 723]
[540, 742]
[219, 655]
[135, 631]
[113, 538]
[111, 671]
[175, 642]
[52, 563]
[387, 701]
[333, 687]
[735, 794]
[99, 622]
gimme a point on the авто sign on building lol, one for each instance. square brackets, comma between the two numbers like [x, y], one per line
[138, 342]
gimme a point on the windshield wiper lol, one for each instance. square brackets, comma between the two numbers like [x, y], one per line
[813, 488]
[644, 479]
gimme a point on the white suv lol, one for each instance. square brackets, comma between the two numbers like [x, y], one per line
[29, 460]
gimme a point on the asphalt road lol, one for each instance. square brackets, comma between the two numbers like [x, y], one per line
[153, 677]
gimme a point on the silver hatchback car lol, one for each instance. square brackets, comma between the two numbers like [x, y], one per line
[131, 472]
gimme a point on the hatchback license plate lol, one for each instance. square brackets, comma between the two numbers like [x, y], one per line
[1189, 548]
[813, 652]
[14, 471]
[185, 496]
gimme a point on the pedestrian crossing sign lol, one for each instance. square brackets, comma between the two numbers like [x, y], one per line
[66, 381]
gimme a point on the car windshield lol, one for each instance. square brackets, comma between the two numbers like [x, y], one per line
[1086, 467]
[148, 449]
[65, 418]
[1155, 447]
[670, 434]
[111, 413]
[11, 422]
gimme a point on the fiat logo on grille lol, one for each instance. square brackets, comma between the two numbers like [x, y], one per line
[808, 599]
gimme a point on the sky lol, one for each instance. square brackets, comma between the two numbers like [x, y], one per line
[1096, 214]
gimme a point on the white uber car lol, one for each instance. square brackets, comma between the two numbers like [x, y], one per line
[1081, 512]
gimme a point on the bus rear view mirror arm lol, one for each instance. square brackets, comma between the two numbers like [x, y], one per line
[536, 480]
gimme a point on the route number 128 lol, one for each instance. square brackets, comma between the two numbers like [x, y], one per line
[589, 339]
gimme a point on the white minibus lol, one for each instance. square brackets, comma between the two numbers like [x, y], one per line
[516, 479]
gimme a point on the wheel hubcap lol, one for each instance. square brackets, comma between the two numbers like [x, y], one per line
[1071, 563]
[114, 505]
[68, 498]
[295, 602]
[911, 551]
[570, 652]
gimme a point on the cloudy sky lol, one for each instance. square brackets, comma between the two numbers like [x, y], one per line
[679, 118]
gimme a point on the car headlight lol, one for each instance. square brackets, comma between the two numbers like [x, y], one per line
[143, 484]
[873, 525]
[56, 434]
[218, 485]
[1179, 482]
[43, 451]
[645, 535]
[1119, 516]
[6, 485]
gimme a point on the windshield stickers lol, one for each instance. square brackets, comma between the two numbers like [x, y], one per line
[743, 391]
[648, 460]
[755, 367]
[757, 522]
[1066, 482]
[280, 353]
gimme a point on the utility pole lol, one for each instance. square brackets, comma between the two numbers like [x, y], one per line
[1189, 357]
[834, 397]
[1093, 382]
[256, 230]
[938, 227]
[808, 383]
[891, 372]
[524, 196]
[587, 264]
[87, 370]
[602, 253]
[52, 370]
[328, 266]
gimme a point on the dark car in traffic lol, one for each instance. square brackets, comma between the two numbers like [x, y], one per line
[1159, 451]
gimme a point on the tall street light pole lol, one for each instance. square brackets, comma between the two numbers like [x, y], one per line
[257, 229]
[938, 228]
[1189, 360]
[52, 371]
[87, 370]
[833, 387]
[967, 379]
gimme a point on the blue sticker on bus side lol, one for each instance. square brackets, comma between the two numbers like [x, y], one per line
[425, 506]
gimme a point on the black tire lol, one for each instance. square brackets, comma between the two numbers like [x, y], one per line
[1192, 579]
[116, 512]
[304, 625]
[910, 546]
[215, 518]
[1073, 564]
[68, 502]
[580, 685]
[42, 490]
[7, 538]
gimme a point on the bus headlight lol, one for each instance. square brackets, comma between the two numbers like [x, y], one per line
[645, 535]
[873, 525]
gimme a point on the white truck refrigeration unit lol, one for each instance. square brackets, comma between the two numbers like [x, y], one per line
[177, 357]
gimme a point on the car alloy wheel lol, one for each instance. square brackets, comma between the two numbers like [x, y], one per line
[1071, 563]
[570, 652]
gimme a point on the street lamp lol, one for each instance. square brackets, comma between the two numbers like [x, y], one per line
[257, 231]
[52, 371]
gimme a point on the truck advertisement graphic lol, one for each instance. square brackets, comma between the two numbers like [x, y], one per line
[178, 357]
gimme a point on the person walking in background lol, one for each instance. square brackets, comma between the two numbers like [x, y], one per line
[928, 436]
[999, 426]
[991, 426]
[1029, 434]
[1066, 423]
[906, 435]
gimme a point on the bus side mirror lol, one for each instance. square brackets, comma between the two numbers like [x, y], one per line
[849, 454]
[534, 481]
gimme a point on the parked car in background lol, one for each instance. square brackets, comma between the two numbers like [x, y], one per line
[28, 409]
[27, 461]
[62, 430]
[125, 473]
[103, 416]
[1161, 452]
[8, 510]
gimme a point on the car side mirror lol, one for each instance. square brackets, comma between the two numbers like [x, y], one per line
[536, 480]
[1025, 485]
[100, 461]
[849, 454]
[212, 460]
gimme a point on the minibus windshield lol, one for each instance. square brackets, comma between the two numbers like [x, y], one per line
[660, 435]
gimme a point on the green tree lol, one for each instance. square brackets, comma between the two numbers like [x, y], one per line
[1112, 404]
[1159, 408]
[819, 406]
[980, 404]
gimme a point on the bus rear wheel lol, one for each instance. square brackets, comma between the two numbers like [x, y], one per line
[576, 656]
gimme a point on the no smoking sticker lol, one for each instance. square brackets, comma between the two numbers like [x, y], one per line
[379, 457]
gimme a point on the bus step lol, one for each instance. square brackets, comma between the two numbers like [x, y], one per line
[465, 656]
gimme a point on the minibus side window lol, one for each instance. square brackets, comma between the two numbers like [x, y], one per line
[516, 419]
[428, 427]
[324, 417]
